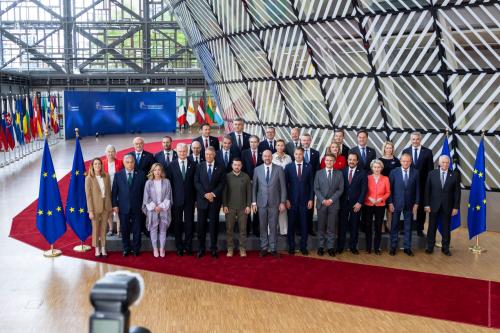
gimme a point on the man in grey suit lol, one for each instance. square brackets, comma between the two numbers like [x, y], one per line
[268, 198]
[328, 187]
[294, 143]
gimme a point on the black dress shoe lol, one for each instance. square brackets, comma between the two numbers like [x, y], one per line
[429, 251]
[304, 252]
[340, 251]
[331, 252]
[312, 233]
[321, 252]
[355, 251]
[189, 252]
[214, 254]
[446, 252]
[392, 252]
[377, 252]
[262, 253]
[180, 253]
[275, 254]
[409, 252]
[291, 252]
[126, 253]
[135, 253]
[200, 254]
[420, 233]
[369, 251]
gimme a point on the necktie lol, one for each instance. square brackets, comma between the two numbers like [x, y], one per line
[254, 158]
[350, 176]
[267, 175]
[307, 156]
[296, 144]
[183, 170]
[226, 158]
[405, 179]
[330, 176]
[206, 143]
[363, 154]
[209, 172]
[129, 178]
[239, 141]
[299, 172]
[415, 156]
[271, 145]
[138, 158]
[443, 179]
[167, 157]
[196, 159]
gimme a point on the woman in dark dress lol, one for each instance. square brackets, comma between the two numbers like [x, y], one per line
[390, 163]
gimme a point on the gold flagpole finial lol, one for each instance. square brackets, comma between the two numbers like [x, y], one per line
[77, 132]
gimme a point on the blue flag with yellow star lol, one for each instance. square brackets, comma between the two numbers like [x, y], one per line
[476, 214]
[76, 204]
[455, 221]
[50, 220]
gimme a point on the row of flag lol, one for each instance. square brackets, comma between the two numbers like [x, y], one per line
[51, 218]
[23, 119]
[201, 115]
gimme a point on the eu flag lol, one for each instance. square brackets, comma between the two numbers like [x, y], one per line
[476, 214]
[455, 220]
[76, 204]
[50, 220]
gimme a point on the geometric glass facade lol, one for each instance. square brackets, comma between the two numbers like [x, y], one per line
[390, 66]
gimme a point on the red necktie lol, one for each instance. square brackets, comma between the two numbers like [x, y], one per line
[350, 176]
[299, 173]
[254, 158]
[206, 143]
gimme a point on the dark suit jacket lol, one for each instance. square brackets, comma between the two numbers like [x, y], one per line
[264, 145]
[290, 149]
[215, 185]
[246, 158]
[403, 198]
[213, 141]
[183, 190]
[313, 160]
[447, 197]
[424, 165]
[345, 151]
[356, 191]
[160, 158]
[245, 141]
[219, 157]
[191, 158]
[299, 192]
[147, 160]
[370, 156]
[127, 198]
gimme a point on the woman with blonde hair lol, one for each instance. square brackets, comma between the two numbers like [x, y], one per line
[112, 165]
[156, 205]
[336, 150]
[390, 163]
[98, 194]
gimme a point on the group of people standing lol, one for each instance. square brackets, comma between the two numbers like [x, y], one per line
[271, 187]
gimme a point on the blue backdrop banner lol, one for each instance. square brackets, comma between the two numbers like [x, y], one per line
[118, 112]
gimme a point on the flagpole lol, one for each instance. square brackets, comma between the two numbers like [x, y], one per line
[477, 249]
[52, 253]
[82, 247]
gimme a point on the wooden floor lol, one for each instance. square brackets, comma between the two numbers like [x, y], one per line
[51, 295]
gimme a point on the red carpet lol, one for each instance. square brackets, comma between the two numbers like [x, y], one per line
[458, 299]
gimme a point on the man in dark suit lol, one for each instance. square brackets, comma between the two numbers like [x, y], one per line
[143, 159]
[167, 155]
[300, 194]
[293, 143]
[181, 172]
[339, 138]
[366, 154]
[239, 137]
[355, 187]
[441, 200]
[269, 143]
[206, 140]
[405, 198]
[126, 197]
[196, 155]
[209, 181]
[251, 159]
[226, 155]
[311, 157]
[423, 161]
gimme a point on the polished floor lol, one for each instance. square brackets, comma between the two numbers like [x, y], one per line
[51, 295]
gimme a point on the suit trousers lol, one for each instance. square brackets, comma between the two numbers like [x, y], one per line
[327, 222]
[253, 224]
[183, 219]
[349, 221]
[298, 217]
[407, 215]
[231, 217]
[99, 229]
[268, 218]
[211, 213]
[131, 223]
[445, 218]
[374, 218]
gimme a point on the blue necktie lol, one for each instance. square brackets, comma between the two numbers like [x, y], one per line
[267, 175]
[405, 178]
[138, 158]
[226, 158]
[363, 155]
[415, 156]
[307, 156]
[210, 172]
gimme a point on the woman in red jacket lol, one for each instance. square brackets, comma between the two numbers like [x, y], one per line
[111, 166]
[378, 192]
[340, 161]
